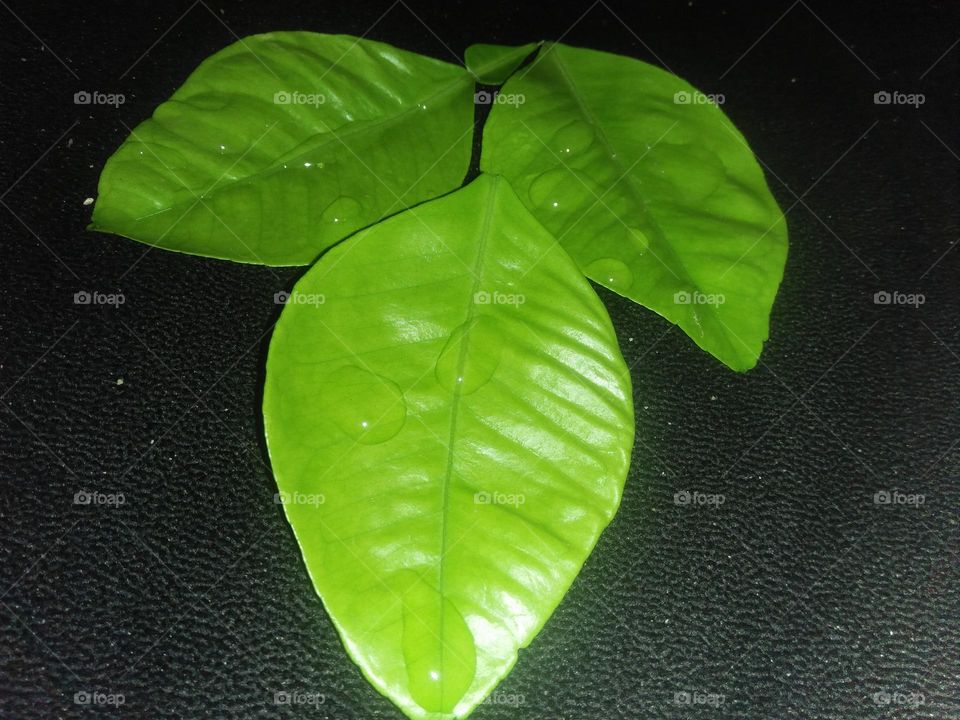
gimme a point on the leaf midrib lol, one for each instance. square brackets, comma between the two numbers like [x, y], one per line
[626, 176]
[481, 244]
[278, 165]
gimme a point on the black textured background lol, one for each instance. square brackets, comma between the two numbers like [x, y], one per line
[799, 597]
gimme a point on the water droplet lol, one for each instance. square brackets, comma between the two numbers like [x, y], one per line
[638, 239]
[366, 406]
[470, 356]
[344, 209]
[573, 138]
[694, 171]
[440, 669]
[610, 272]
[548, 190]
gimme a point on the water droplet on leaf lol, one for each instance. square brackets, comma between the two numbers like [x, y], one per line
[610, 272]
[439, 668]
[366, 406]
[548, 189]
[572, 138]
[344, 209]
[470, 356]
[638, 239]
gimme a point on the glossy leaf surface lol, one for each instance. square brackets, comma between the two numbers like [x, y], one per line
[450, 421]
[282, 144]
[493, 64]
[650, 188]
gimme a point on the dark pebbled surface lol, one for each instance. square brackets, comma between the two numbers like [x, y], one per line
[798, 597]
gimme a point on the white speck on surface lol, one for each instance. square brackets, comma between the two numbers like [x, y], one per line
[713, 397]
[88, 201]
[119, 381]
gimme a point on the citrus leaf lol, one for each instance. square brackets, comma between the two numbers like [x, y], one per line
[282, 144]
[450, 423]
[650, 188]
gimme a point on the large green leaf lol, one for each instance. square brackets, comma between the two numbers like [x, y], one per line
[650, 188]
[451, 386]
[282, 144]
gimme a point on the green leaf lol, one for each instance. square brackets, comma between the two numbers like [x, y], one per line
[450, 384]
[493, 64]
[282, 144]
[650, 188]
